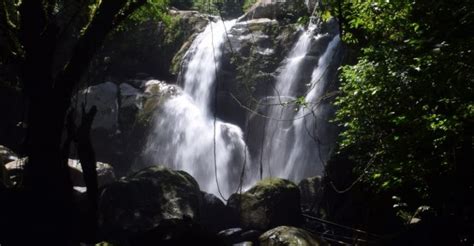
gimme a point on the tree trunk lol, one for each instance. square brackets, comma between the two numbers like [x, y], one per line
[46, 173]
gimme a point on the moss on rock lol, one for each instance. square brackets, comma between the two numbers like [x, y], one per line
[270, 203]
[140, 202]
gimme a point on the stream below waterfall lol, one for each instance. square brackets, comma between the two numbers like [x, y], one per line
[296, 135]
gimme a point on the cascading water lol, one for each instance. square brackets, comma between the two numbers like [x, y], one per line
[278, 125]
[203, 60]
[186, 132]
[292, 145]
[311, 128]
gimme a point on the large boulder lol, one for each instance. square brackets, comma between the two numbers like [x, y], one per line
[104, 97]
[289, 236]
[270, 203]
[140, 202]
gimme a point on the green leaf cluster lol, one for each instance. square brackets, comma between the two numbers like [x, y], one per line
[407, 103]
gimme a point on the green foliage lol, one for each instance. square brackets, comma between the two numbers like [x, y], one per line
[152, 10]
[303, 20]
[407, 104]
[248, 4]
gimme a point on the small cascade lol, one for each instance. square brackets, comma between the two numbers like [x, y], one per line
[297, 135]
[278, 132]
[186, 132]
[311, 126]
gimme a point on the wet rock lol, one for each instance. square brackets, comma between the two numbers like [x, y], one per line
[155, 94]
[289, 236]
[270, 203]
[310, 190]
[214, 214]
[231, 235]
[140, 202]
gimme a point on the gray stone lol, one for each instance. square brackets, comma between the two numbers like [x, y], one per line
[104, 97]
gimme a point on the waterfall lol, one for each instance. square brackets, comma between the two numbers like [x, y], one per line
[186, 132]
[311, 128]
[297, 137]
[292, 146]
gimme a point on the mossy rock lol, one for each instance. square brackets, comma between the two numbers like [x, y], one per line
[289, 236]
[140, 202]
[270, 203]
